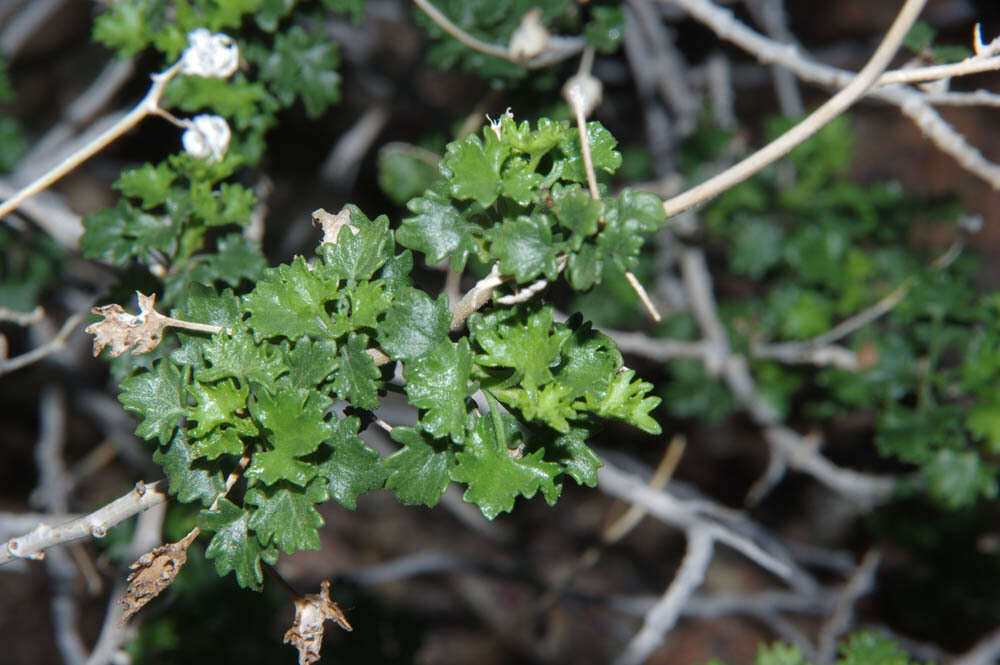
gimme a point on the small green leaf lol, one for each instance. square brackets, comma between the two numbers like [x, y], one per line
[958, 479]
[124, 26]
[356, 256]
[472, 168]
[577, 459]
[216, 404]
[419, 471]
[203, 304]
[300, 65]
[290, 301]
[350, 467]
[779, 654]
[496, 476]
[522, 338]
[157, 396]
[628, 401]
[577, 212]
[357, 379]
[602, 150]
[238, 356]
[190, 480]
[589, 360]
[311, 362]
[295, 427]
[439, 231]
[149, 183]
[867, 648]
[414, 324]
[525, 249]
[218, 442]
[439, 383]
[405, 171]
[234, 260]
[233, 547]
[285, 517]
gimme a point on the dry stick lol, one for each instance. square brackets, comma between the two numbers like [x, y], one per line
[808, 126]
[149, 105]
[557, 48]
[664, 614]
[8, 365]
[33, 544]
[916, 104]
[861, 582]
[985, 652]
[575, 97]
[617, 529]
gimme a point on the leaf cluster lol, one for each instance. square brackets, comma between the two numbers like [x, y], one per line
[516, 196]
[307, 335]
[864, 648]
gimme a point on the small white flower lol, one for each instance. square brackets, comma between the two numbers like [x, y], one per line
[215, 56]
[206, 137]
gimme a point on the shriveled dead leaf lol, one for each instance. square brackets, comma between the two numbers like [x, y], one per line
[140, 332]
[311, 612]
[332, 224]
[153, 572]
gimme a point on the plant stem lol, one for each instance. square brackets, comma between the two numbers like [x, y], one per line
[149, 105]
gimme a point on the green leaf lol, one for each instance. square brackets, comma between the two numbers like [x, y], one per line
[216, 404]
[957, 479]
[290, 301]
[779, 654]
[405, 171]
[350, 467]
[149, 183]
[189, 479]
[496, 476]
[606, 29]
[120, 233]
[218, 442]
[585, 267]
[524, 248]
[414, 324]
[871, 649]
[626, 219]
[983, 422]
[519, 181]
[156, 396]
[522, 338]
[757, 247]
[472, 167]
[439, 383]
[356, 256]
[285, 517]
[577, 212]
[589, 360]
[203, 304]
[364, 304]
[238, 356]
[628, 401]
[602, 151]
[299, 65]
[311, 362]
[357, 379]
[439, 231]
[124, 26]
[571, 451]
[419, 471]
[234, 260]
[233, 547]
[295, 427]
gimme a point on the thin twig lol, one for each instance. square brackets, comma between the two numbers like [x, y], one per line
[148, 105]
[57, 343]
[808, 126]
[33, 544]
[664, 614]
[861, 583]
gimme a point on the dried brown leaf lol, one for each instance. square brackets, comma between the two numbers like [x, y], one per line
[332, 224]
[140, 332]
[153, 572]
[311, 612]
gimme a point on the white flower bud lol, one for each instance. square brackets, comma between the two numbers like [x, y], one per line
[215, 56]
[206, 137]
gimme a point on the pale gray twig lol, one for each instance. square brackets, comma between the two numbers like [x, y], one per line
[33, 544]
[811, 124]
[663, 615]
[985, 652]
[861, 583]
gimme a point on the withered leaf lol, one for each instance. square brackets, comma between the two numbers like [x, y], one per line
[140, 332]
[153, 572]
[311, 612]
